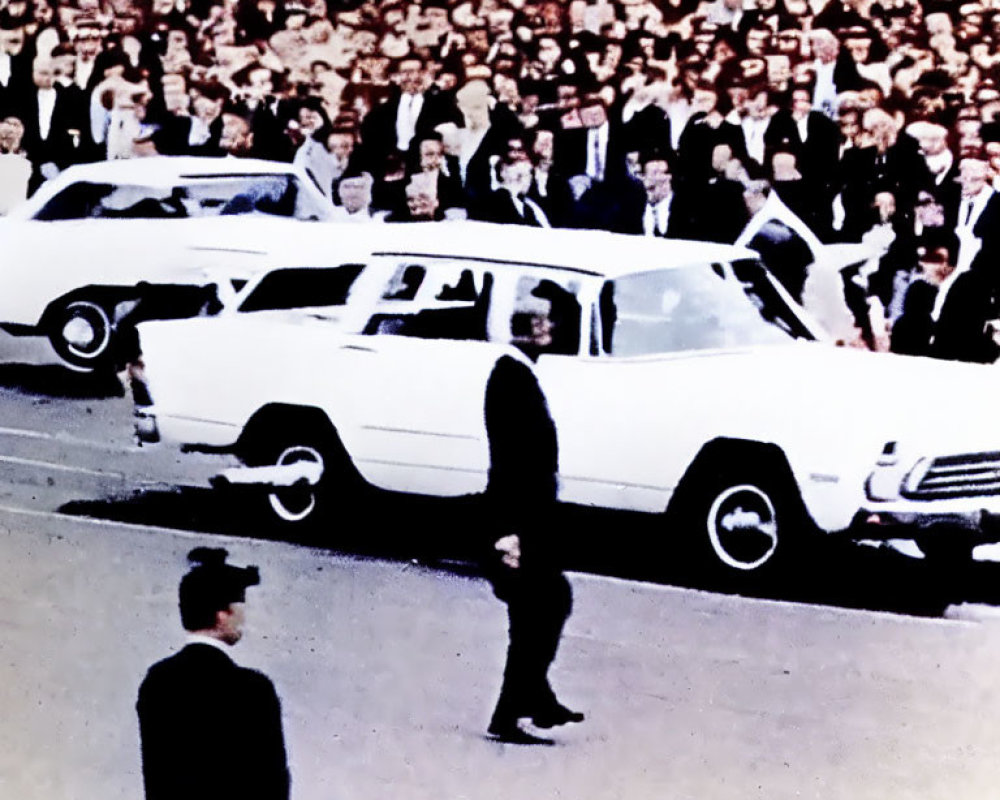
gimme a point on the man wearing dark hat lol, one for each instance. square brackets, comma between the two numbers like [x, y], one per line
[209, 728]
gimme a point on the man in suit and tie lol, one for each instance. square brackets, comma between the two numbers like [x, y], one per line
[663, 214]
[510, 204]
[48, 117]
[595, 149]
[395, 125]
[977, 213]
[209, 728]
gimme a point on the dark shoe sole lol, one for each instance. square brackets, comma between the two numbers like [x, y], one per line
[517, 736]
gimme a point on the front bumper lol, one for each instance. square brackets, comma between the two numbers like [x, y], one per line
[970, 519]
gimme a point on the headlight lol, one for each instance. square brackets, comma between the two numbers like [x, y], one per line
[884, 482]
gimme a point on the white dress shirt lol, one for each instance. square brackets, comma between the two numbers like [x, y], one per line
[657, 218]
[825, 91]
[406, 119]
[46, 105]
[5, 69]
[84, 69]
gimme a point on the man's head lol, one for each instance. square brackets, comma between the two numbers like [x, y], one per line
[516, 172]
[593, 111]
[11, 134]
[237, 131]
[431, 149]
[12, 40]
[421, 197]
[656, 179]
[355, 192]
[936, 256]
[212, 594]
[43, 73]
[410, 75]
[973, 175]
[825, 45]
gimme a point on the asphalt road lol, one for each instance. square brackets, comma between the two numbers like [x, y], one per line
[863, 674]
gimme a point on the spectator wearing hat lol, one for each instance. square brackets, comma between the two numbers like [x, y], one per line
[237, 136]
[209, 728]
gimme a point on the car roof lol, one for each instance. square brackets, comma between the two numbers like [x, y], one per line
[584, 251]
[167, 169]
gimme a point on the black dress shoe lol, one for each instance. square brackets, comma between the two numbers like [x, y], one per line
[515, 735]
[559, 715]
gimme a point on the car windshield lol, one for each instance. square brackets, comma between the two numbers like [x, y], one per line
[696, 308]
[190, 197]
[302, 287]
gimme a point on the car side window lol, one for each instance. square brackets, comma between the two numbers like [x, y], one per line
[77, 201]
[302, 287]
[433, 302]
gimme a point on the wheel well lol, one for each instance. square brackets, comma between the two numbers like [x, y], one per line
[105, 296]
[716, 456]
[273, 413]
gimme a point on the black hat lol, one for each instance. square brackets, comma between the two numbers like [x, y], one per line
[212, 585]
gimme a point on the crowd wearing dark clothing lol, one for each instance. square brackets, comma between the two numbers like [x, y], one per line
[860, 114]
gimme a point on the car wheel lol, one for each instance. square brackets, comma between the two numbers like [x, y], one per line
[81, 333]
[745, 523]
[281, 442]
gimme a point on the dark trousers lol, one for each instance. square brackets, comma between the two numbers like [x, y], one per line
[537, 609]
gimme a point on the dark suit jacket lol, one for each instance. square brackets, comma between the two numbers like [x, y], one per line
[818, 155]
[172, 138]
[960, 331]
[58, 145]
[378, 129]
[210, 730]
[499, 207]
[571, 153]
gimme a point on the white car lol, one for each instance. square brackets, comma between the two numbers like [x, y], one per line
[74, 252]
[940, 489]
[680, 378]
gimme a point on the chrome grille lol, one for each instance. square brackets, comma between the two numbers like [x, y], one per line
[964, 475]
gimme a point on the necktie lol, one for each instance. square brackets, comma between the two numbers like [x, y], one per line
[968, 213]
[598, 166]
[649, 223]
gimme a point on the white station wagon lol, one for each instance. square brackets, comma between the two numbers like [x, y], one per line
[680, 377]
[74, 252]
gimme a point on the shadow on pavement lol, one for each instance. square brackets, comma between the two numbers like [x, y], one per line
[449, 534]
[54, 380]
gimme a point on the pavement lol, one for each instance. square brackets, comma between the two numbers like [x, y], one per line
[388, 670]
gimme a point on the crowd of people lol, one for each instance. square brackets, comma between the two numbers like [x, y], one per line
[873, 120]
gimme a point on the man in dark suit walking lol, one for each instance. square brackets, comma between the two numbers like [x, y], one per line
[209, 728]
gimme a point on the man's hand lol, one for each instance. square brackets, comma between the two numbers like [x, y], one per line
[510, 548]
